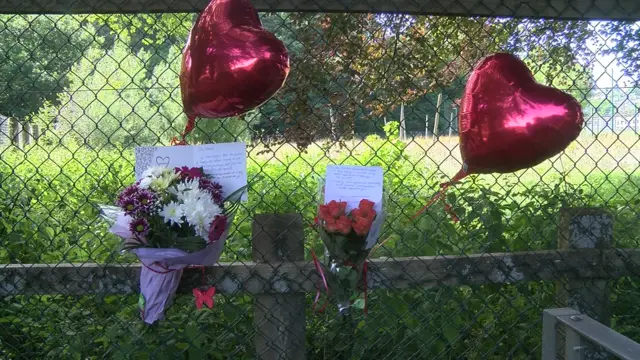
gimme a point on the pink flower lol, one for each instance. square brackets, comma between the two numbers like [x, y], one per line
[189, 173]
[218, 226]
[214, 189]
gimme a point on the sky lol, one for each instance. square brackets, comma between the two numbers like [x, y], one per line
[605, 66]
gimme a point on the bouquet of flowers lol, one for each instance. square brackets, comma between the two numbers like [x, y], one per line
[171, 219]
[348, 236]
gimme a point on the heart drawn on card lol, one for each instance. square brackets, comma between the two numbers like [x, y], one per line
[162, 161]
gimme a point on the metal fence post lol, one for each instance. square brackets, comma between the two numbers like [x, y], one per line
[575, 348]
[279, 318]
[36, 131]
[586, 228]
[549, 336]
[26, 134]
[16, 132]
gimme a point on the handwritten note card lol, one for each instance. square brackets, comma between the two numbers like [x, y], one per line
[225, 162]
[354, 183]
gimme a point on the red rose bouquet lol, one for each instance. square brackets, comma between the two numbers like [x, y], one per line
[171, 219]
[348, 237]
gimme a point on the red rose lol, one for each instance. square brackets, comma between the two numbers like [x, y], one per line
[331, 225]
[344, 225]
[218, 226]
[366, 204]
[363, 214]
[361, 226]
[337, 208]
[324, 213]
[332, 210]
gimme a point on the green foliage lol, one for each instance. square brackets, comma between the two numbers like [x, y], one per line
[48, 215]
[123, 90]
[36, 52]
[117, 105]
[224, 130]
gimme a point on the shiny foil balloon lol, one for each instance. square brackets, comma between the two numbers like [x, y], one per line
[230, 64]
[508, 122]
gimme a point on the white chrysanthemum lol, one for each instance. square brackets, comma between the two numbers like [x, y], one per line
[145, 182]
[191, 196]
[170, 176]
[200, 212]
[164, 181]
[155, 171]
[172, 213]
[186, 187]
[160, 184]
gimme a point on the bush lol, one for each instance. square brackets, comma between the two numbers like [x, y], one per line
[47, 210]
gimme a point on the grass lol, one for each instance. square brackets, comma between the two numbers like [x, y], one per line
[47, 217]
[605, 152]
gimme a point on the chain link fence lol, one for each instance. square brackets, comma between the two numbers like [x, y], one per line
[83, 83]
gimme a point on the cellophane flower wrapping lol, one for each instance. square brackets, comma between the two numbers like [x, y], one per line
[171, 219]
[348, 236]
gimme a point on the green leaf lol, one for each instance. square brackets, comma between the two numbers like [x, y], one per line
[450, 333]
[359, 304]
[50, 232]
[191, 331]
[196, 353]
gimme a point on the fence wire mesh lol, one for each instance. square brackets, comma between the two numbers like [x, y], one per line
[79, 91]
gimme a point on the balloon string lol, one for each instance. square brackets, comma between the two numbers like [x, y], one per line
[378, 246]
[191, 124]
[440, 196]
[320, 272]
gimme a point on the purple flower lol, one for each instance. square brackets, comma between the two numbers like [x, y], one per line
[139, 227]
[214, 189]
[126, 194]
[129, 205]
[145, 200]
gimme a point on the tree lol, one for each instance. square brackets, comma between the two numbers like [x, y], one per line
[36, 53]
[350, 69]
[363, 65]
[111, 101]
[622, 39]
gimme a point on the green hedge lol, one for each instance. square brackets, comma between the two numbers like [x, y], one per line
[47, 212]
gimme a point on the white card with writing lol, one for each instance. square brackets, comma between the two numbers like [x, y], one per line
[354, 183]
[226, 163]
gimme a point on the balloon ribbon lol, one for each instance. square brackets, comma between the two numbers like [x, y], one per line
[204, 296]
[191, 124]
[316, 263]
[440, 196]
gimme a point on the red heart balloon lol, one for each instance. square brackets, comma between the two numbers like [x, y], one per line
[508, 122]
[230, 64]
